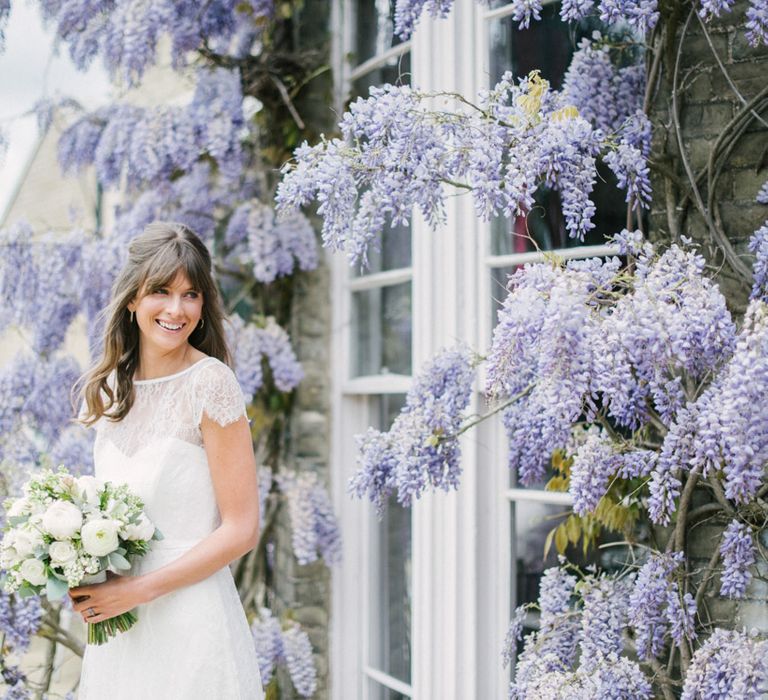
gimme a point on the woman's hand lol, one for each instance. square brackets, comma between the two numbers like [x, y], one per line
[115, 596]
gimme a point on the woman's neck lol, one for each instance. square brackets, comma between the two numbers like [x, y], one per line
[154, 365]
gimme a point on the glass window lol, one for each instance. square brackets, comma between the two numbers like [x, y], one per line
[381, 330]
[390, 633]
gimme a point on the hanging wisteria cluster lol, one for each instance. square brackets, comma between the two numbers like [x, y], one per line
[421, 449]
[125, 33]
[640, 15]
[284, 644]
[397, 153]
[314, 529]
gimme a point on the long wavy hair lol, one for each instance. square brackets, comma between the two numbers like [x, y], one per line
[155, 257]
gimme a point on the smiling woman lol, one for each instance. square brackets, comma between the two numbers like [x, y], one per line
[171, 423]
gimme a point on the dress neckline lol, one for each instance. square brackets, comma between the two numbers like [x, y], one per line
[174, 375]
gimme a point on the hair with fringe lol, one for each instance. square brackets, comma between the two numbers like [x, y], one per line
[155, 257]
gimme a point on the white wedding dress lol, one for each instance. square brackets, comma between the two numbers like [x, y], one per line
[193, 643]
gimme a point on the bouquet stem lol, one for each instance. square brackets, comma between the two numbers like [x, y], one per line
[102, 632]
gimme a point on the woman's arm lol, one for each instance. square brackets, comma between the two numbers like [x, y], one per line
[233, 471]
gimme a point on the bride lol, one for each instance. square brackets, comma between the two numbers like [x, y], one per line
[170, 422]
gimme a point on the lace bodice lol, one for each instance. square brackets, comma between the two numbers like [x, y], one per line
[173, 406]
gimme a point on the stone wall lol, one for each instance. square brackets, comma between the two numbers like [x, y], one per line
[709, 111]
[305, 590]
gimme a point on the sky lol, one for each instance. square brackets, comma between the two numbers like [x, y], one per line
[31, 68]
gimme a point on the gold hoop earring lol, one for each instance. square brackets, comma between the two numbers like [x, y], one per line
[202, 323]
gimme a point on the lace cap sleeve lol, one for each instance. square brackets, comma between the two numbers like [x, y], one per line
[218, 394]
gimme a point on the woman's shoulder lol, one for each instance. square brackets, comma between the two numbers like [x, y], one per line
[216, 391]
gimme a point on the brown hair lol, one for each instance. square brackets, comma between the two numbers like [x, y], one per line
[155, 257]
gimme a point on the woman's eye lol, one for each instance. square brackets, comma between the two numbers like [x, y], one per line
[192, 295]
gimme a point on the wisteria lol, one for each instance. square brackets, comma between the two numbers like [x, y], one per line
[145, 146]
[314, 529]
[422, 447]
[594, 611]
[275, 248]
[252, 344]
[758, 245]
[125, 34]
[738, 552]
[20, 618]
[728, 665]
[288, 645]
[520, 136]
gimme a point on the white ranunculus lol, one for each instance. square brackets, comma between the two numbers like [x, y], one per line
[62, 552]
[33, 570]
[62, 520]
[99, 537]
[21, 506]
[142, 530]
[88, 489]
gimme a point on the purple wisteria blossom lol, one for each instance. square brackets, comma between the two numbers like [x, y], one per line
[286, 645]
[514, 635]
[604, 94]
[604, 613]
[74, 450]
[656, 609]
[267, 638]
[275, 248]
[728, 665]
[125, 33]
[762, 195]
[297, 651]
[641, 15]
[396, 153]
[421, 448]
[20, 619]
[739, 554]
[408, 12]
[594, 462]
[757, 22]
[758, 244]
[314, 528]
[251, 344]
[145, 146]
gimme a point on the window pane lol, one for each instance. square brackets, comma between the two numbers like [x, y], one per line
[391, 573]
[499, 278]
[396, 71]
[394, 253]
[375, 28]
[381, 330]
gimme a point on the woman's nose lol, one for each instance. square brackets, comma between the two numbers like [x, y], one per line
[173, 304]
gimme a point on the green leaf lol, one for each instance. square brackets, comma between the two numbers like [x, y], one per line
[56, 589]
[119, 562]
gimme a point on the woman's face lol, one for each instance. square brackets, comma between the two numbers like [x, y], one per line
[167, 316]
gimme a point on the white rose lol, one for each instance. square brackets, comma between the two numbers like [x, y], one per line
[99, 537]
[24, 542]
[21, 506]
[33, 570]
[62, 520]
[62, 552]
[88, 489]
[142, 530]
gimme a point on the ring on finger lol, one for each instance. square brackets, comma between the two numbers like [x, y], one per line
[91, 612]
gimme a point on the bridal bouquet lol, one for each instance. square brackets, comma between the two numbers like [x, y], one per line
[66, 532]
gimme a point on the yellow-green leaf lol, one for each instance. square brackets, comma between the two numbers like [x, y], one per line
[561, 538]
[573, 529]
